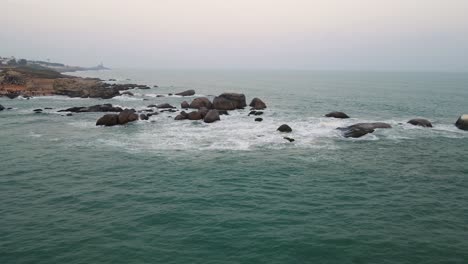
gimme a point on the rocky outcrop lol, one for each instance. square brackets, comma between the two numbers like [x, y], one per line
[257, 104]
[284, 128]
[462, 122]
[420, 122]
[79, 87]
[94, 108]
[2, 108]
[126, 116]
[229, 101]
[165, 106]
[211, 116]
[184, 104]
[203, 111]
[186, 93]
[362, 129]
[337, 115]
[197, 103]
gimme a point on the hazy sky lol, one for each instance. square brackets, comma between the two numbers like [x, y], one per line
[290, 34]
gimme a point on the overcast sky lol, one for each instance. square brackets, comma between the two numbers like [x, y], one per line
[280, 34]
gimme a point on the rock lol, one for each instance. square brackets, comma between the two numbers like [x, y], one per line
[462, 122]
[48, 108]
[203, 111]
[220, 103]
[126, 116]
[223, 112]
[257, 103]
[84, 88]
[257, 113]
[165, 105]
[195, 115]
[186, 93]
[2, 108]
[93, 108]
[197, 103]
[127, 93]
[108, 120]
[337, 115]
[169, 94]
[184, 104]
[160, 95]
[361, 129]
[211, 116]
[152, 105]
[143, 117]
[238, 99]
[112, 80]
[182, 116]
[155, 86]
[420, 122]
[37, 110]
[143, 87]
[258, 119]
[69, 114]
[284, 128]
[12, 95]
[289, 139]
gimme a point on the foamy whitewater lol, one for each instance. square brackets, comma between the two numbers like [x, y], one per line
[235, 191]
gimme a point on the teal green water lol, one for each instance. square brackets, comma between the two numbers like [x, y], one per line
[162, 191]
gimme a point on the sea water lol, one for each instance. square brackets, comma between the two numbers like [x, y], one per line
[235, 191]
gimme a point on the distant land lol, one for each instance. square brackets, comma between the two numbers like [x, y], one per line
[8, 62]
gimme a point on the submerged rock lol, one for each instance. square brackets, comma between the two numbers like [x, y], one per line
[211, 116]
[127, 93]
[2, 108]
[258, 119]
[197, 103]
[165, 105]
[462, 122]
[284, 128]
[420, 122]
[362, 129]
[257, 103]
[186, 93]
[337, 115]
[93, 108]
[289, 139]
[143, 117]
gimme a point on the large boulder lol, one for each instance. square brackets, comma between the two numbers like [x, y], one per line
[337, 115]
[361, 129]
[238, 99]
[144, 117]
[284, 128]
[203, 111]
[420, 122]
[184, 104]
[108, 120]
[462, 122]
[165, 105]
[195, 115]
[186, 93]
[197, 103]
[126, 116]
[257, 104]
[221, 103]
[2, 108]
[182, 116]
[211, 116]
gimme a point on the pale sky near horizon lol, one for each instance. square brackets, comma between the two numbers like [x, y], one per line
[294, 34]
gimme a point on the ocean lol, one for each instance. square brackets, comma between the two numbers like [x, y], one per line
[235, 191]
